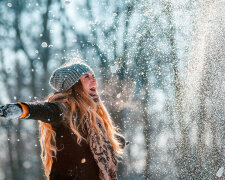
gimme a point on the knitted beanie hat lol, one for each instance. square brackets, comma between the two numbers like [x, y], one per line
[67, 75]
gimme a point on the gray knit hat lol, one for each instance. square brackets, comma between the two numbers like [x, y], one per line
[67, 75]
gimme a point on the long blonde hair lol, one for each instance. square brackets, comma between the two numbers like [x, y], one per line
[80, 105]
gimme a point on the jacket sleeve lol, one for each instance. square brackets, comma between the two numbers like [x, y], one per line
[48, 112]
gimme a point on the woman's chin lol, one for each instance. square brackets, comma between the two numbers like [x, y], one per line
[93, 93]
[94, 96]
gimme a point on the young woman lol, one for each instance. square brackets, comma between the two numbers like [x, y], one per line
[78, 138]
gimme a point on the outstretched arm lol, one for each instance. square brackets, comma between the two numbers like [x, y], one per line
[44, 111]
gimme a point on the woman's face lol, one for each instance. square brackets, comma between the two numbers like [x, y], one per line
[89, 83]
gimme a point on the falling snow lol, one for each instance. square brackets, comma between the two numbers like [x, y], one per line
[44, 44]
[160, 72]
[9, 4]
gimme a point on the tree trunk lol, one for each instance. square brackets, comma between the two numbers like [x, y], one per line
[13, 167]
[19, 143]
[147, 132]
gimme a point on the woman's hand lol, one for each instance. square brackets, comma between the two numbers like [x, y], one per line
[11, 111]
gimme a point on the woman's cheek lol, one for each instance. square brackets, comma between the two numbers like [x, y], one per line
[87, 90]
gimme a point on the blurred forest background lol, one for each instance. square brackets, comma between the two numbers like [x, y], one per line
[160, 69]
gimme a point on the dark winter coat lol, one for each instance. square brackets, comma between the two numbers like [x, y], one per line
[73, 161]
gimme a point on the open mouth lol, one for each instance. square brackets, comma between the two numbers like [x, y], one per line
[93, 89]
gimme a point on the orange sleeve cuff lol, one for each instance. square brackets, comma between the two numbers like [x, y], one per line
[25, 110]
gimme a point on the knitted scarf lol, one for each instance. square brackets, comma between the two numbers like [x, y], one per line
[103, 153]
